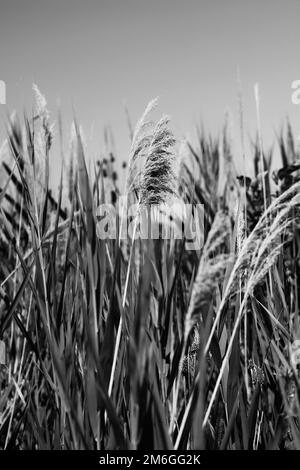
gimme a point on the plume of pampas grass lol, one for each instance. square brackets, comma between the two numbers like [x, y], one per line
[276, 235]
[158, 178]
[40, 103]
[151, 171]
[42, 112]
[141, 140]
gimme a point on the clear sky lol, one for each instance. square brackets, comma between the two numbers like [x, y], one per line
[97, 55]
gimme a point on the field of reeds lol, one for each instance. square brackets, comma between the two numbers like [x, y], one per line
[144, 344]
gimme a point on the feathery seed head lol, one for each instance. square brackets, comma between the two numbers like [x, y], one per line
[158, 178]
[40, 103]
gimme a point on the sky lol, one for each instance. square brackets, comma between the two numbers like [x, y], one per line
[99, 57]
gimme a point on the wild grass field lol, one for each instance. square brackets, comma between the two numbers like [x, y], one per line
[121, 344]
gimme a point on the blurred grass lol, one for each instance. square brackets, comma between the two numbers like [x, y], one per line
[205, 342]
